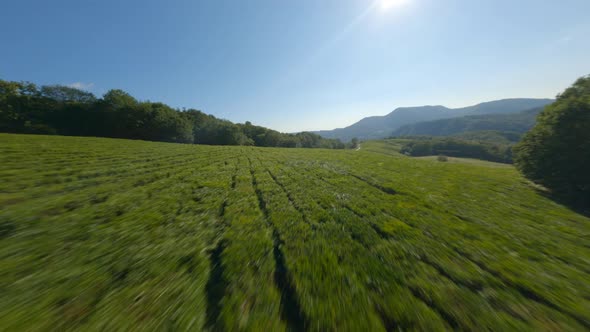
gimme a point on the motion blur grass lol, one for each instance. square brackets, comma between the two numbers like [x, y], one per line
[106, 234]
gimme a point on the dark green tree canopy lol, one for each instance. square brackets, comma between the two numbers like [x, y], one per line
[119, 99]
[556, 152]
[57, 109]
[66, 93]
[453, 147]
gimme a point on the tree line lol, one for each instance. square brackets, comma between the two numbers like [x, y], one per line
[62, 110]
[556, 152]
[429, 146]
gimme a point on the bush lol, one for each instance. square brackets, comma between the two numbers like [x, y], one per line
[442, 158]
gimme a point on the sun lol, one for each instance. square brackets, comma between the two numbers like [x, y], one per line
[389, 4]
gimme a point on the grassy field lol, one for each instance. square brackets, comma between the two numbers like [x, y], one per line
[105, 234]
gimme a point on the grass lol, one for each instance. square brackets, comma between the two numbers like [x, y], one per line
[105, 234]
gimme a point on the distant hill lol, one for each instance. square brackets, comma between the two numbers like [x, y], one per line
[519, 122]
[383, 126]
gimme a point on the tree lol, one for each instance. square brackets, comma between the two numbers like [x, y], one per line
[556, 152]
[22, 110]
[119, 99]
[62, 110]
[66, 93]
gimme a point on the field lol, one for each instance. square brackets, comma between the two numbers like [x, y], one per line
[466, 161]
[105, 234]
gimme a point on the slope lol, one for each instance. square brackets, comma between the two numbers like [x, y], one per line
[383, 126]
[519, 122]
[109, 234]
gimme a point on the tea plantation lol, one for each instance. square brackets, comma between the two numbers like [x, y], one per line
[107, 234]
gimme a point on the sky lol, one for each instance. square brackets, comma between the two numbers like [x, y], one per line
[300, 64]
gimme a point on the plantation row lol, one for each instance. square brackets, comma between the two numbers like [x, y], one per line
[114, 234]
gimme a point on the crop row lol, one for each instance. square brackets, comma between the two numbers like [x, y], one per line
[132, 251]
[438, 243]
[112, 234]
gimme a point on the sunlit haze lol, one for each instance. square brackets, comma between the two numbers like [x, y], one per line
[300, 65]
[389, 4]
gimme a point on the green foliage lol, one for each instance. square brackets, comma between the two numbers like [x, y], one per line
[118, 99]
[64, 93]
[104, 234]
[431, 146]
[556, 153]
[64, 110]
[491, 136]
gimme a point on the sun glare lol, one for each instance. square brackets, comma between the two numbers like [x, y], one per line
[389, 4]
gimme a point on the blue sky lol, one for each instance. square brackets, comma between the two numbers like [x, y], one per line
[300, 65]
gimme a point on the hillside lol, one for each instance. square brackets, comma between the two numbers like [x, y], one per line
[383, 126]
[112, 234]
[519, 122]
[494, 136]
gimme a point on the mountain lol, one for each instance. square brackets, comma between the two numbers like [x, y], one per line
[383, 126]
[519, 122]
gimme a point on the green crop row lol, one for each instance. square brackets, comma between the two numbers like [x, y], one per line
[103, 234]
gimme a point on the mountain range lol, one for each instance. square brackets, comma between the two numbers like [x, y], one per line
[376, 127]
[519, 122]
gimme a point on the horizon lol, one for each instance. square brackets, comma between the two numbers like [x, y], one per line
[431, 105]
[302, 66]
